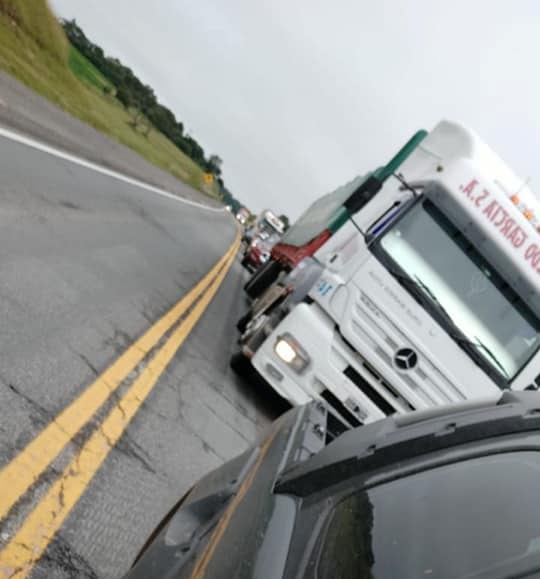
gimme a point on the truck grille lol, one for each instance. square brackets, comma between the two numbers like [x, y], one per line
[369, 391]
[340, 408]
[335, 427]
[376, 331]
[373, 392]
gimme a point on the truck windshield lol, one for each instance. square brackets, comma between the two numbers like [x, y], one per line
[477, 307]
[266, 229]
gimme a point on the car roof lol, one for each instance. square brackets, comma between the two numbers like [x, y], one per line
[394, 439]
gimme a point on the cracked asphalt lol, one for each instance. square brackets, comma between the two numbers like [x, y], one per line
[87, 264]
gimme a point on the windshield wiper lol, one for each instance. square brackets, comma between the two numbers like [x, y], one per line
[405, 281]
[457, 335]
[419, 283]
[491, 355]
[474, 348]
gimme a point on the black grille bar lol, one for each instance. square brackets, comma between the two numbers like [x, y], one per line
[340, 408]
[335, 426]
[369, 391]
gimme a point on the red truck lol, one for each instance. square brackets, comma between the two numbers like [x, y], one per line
[324, 217]
[321, 220]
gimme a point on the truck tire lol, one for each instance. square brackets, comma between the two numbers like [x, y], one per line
[241, 365]
[263, 278]
[242, 323]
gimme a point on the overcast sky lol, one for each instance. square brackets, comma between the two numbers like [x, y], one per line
[299, 96]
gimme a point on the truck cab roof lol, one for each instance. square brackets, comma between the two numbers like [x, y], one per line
[482, 196]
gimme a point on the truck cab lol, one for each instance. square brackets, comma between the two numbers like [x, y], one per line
[260, 239]
[429, 295]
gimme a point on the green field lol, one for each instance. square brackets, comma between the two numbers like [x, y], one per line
[34, 49]
[84, 70]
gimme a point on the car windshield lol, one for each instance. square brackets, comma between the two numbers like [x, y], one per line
[445, 523]
[479, 309]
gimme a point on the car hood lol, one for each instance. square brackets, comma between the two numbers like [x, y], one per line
[232, 524]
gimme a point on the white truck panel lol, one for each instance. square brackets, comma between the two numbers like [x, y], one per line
[363, 319]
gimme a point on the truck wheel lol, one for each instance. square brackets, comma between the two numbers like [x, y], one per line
[240, 365]
[263, 278]
[242, 323]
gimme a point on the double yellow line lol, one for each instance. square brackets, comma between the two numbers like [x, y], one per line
[29, 543]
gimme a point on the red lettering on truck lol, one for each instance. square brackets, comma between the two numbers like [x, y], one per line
[490, 209]
[517, 237]
[532, 254]
[480, 199]
[500, 218]
[468, 189]
[507, 226]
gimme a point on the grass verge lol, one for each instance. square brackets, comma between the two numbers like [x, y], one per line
[34, 49]
[84, 70]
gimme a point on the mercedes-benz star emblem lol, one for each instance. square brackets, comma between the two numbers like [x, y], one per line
[405, 359]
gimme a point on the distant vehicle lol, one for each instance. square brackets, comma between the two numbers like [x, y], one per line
[258, 251]
[448, 493]
[260, 238]
[429, 295]
[266, 224]
[243, 215]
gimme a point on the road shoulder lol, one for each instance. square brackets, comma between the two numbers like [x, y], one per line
[28, 113]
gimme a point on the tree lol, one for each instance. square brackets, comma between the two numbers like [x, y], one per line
[140, 100]
[214, 165]
[125, 97]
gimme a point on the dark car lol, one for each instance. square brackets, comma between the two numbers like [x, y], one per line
[448, 493]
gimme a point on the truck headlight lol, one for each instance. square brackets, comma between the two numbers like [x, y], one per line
[291, 352]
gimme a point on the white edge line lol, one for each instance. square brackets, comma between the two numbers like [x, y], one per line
[29, 142]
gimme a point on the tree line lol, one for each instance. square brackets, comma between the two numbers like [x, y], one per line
[141, 101]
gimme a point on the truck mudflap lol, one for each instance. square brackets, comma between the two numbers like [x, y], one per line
[221, 513]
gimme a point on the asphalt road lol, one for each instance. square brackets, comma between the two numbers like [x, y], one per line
[87, 264]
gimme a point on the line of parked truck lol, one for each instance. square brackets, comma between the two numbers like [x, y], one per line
[414, 285]
[411, 287]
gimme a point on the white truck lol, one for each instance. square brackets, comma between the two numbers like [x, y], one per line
[429, 295]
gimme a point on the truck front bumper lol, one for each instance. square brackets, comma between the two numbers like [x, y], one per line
[325, 376]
